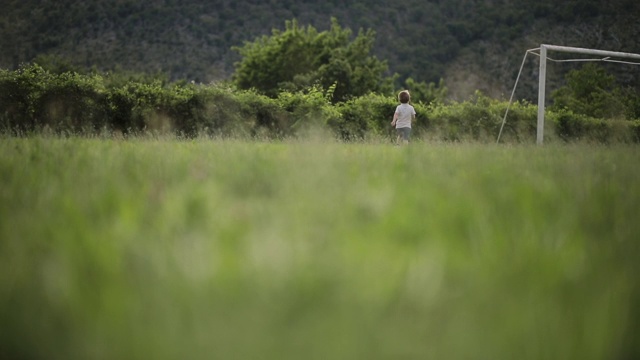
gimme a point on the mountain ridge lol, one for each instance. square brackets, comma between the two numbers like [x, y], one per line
[472, 44]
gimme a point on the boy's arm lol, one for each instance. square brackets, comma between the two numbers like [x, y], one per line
[395, 117]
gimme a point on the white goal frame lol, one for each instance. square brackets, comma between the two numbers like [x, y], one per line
[606, 56]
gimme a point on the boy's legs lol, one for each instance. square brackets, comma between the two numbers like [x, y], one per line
[404, 134]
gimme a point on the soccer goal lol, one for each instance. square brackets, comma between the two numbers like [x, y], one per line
[541, 52]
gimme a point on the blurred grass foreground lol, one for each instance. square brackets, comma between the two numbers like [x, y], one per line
[167, 249]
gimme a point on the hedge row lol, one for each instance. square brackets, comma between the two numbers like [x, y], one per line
[32, 99]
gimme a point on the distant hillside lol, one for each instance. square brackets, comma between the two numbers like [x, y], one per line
[472, 44]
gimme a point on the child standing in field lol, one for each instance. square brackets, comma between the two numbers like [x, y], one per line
[403, 117]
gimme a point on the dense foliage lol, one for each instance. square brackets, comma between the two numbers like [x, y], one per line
[592, 102]
[472, 44]
[299, 58]
[34, 99]
[593, 92]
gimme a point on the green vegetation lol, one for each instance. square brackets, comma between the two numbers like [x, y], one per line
[34, 100]
[164, 249]
[591, 91]
[424, 40]
[299, 58]
[592, 104]
[264, 214]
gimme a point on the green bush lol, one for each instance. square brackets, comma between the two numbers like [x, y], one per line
[260, 116]
[571, 126]
[480, 119]
[302, 57]
[591, 91]
[17, 88]
[520, 126]
[20, 91]
[634, 127]
[74, 102]
[368, 115]
[308, 111]
[139, 107]
[122, 101]
[34, 99]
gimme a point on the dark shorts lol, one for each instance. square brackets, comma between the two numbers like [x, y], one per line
[404, 132]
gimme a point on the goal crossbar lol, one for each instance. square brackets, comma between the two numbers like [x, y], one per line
[577, 50]
[542, 75]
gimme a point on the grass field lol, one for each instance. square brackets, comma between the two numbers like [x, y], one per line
[166, 249]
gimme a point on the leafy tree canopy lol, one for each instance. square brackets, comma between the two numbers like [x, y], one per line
[591, 91]
[301, 57]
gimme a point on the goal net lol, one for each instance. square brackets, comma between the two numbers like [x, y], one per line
[542, 53]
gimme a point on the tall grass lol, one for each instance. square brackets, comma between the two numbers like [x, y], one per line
[164, 249]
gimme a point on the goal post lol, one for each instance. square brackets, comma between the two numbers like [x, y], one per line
[607, 56]
[604, 56]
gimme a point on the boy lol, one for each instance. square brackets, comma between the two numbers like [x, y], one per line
[405, 114]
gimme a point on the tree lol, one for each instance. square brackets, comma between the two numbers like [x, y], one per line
[299, 58]
[590, 91]
[427, 93]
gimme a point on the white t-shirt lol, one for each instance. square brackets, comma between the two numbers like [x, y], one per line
[405, 112]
